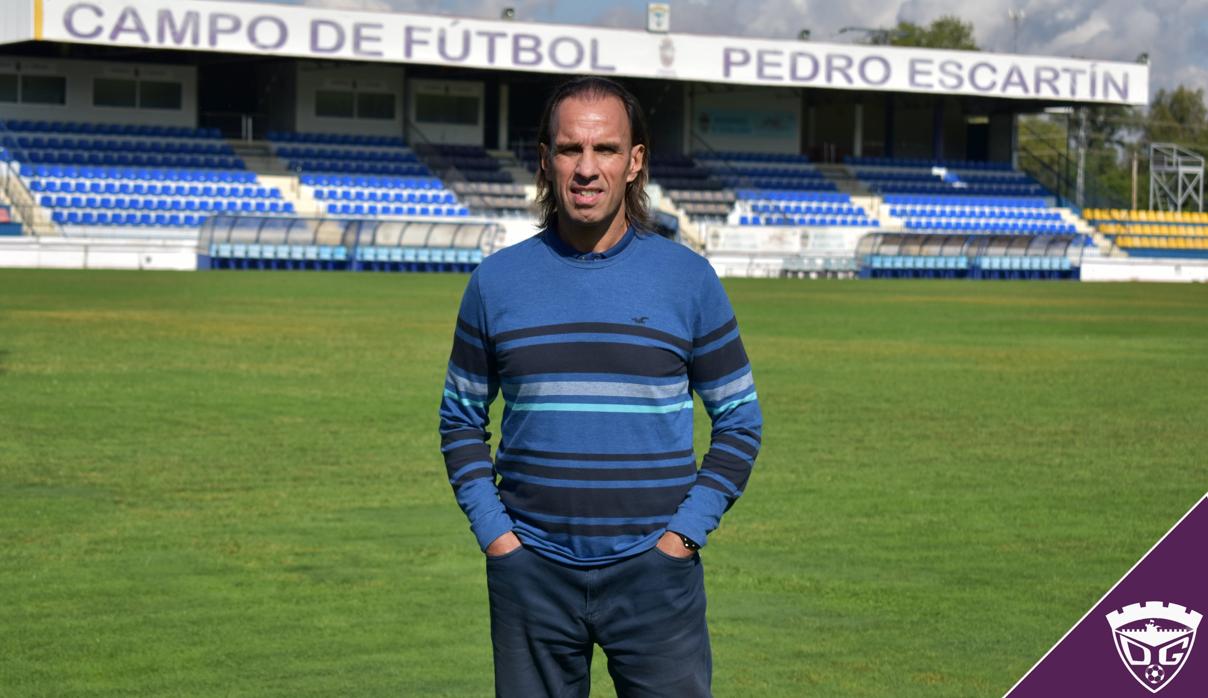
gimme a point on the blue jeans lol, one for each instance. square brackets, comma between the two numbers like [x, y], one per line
[646, 612]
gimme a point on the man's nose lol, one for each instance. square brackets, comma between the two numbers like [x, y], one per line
[587, 167]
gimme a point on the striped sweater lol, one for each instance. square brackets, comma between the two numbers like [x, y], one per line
[596, 356]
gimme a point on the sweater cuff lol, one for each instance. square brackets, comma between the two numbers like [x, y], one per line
[491, 527]
[694, 526]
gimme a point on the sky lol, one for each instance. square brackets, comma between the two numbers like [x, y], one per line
[1173, 32]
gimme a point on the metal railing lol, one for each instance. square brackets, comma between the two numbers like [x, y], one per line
[34, 220]
[1056, 170]
[744, 180]
[432, 157]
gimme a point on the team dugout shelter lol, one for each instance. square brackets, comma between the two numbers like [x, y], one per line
[255, 72]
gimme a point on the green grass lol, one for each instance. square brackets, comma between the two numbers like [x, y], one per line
[228, 484]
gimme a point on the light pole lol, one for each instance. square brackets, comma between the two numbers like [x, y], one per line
[1016, 16]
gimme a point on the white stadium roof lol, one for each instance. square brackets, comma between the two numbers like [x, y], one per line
[328, 34]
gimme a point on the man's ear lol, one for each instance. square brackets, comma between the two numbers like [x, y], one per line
[543, 162]
[637, 158]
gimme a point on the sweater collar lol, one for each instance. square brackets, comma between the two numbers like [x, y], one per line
[559, 246]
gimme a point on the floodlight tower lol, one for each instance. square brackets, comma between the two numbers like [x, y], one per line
[1016, 16]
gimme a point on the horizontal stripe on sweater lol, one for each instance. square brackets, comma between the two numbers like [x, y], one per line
[576, 457]
[560, 499]
[616, 389]
[561, 473]
[599, 357]
[592, 328]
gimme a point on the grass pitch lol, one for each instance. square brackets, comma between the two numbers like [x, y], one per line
[228, 484]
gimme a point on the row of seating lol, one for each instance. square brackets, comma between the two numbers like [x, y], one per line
[990, 226]
[471, 162]
[944, 262]
[747, 156]
[350, 153]
[927, 162]
[972, 267]
[777, 183]
[365, 168]
[803, 172]
[950, 178]
[336, 257]
[488, 188]
[963, 200]
[487, 176]
[351, 181]
[809, 209]
[1116, 215]
[998, 176]
[1179, 229]
[334, 138]
[402, 255]
[396, 210]
[766, 195]
[154, 145]
[145, 174]
[157, 220]
[370, 182]
[378, 196]
[957, 188]
[266, 256]
[89, 127]
[974, 212]
[1160, 242]
[451, 149]
[931, 173]
[173, 204]
[678, 172]
[683, 184]
[73, 157]
[828, 221]
[83, 186]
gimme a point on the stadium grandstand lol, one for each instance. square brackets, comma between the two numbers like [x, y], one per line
[198, 135]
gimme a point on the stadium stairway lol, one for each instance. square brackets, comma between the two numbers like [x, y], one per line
[304, 204]
[844, 180]
[259, 157]
[691, 231]
[510, 164]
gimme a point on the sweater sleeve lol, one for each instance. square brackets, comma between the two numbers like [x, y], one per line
[471, 384]
[720, 374]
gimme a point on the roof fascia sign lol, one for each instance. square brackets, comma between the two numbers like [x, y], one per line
[328, 34]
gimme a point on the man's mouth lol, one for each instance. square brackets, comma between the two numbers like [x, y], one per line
[585, 196]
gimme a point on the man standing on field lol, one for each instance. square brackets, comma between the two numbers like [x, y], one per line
[596, 331]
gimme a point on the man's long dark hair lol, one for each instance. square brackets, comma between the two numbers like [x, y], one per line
[637, 203]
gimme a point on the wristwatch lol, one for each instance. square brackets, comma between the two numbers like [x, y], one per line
[688, 542]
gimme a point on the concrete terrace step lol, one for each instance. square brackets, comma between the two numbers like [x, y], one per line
[844, 180]
[258, 156]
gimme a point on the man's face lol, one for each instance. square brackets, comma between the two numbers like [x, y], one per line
[591, 161]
